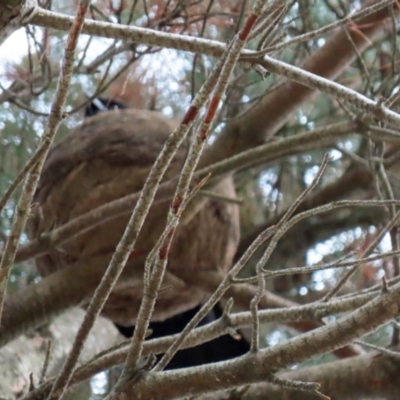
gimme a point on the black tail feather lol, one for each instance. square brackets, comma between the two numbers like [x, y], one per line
[220, 349]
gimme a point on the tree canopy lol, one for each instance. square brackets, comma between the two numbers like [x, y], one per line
[298, 102]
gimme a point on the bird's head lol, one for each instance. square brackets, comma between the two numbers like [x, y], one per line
[100, 104]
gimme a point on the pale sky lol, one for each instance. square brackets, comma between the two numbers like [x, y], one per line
[13, 49]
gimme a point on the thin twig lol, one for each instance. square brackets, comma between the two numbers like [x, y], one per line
[318, 32]
[321, 266]
[147, 304]
[45, 363]
[24, 204]
[22, 174]
[281, 228]
[370, 248]
[228, 61]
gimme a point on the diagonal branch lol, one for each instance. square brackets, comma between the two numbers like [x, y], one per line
[23, 207]
[276, 108]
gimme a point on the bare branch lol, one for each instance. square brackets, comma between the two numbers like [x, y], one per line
[23, 207]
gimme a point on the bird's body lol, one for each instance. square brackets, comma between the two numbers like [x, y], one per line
[106, 158]
[109, 156]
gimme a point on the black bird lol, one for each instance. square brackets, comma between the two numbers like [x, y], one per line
[220, 349]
